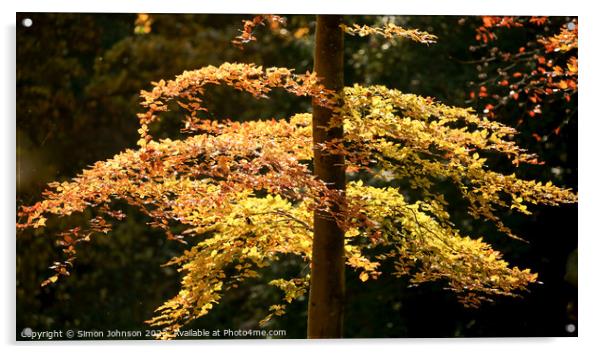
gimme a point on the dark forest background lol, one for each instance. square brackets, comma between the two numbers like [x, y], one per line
[78, 79]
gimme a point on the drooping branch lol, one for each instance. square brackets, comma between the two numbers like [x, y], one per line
[187, 89]
[244, 193]
[390, 31]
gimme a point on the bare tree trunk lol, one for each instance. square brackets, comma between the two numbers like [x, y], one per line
[327, 289]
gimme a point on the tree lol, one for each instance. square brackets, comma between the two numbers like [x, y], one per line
[327, 290]
[245, 193]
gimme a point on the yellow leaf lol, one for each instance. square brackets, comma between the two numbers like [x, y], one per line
[364, 276]
[50, 280]
[40, 223]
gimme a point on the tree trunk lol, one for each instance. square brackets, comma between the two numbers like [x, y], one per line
[327, 288]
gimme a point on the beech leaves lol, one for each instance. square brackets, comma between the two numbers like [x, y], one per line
[243, 194]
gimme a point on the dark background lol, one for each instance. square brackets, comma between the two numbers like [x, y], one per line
[78, 79]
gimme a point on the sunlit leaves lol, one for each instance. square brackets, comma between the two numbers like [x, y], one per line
[533, 74]
[427, 248]
[423, 142]
[143, 24]
[188, 88]
[50, 280]
[484, 32]
[389, 31]
[243, 194]
[246, 34]
[564, 41]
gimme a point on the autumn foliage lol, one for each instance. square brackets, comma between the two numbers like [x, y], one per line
[246, 34]
[531, 75]
[242, 195]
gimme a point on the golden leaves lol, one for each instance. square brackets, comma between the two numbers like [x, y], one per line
[143, 24]
[424, 142]
[293, 288]
[50, 280]
[246, 34]
[429, 249]
[248, 191]
[572, 65]
[41, 222]
[564, 41]
[390, 31]
[253, 232]
[275, 310]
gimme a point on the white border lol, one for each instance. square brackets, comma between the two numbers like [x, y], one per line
[590, 203]
[402, 7]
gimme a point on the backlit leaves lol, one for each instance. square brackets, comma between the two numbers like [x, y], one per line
[531, 76]
[243, 194]
[188, 88]
[389, 31]
[246, 34]
[564, 41]
[143, 24]
[429, 249]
